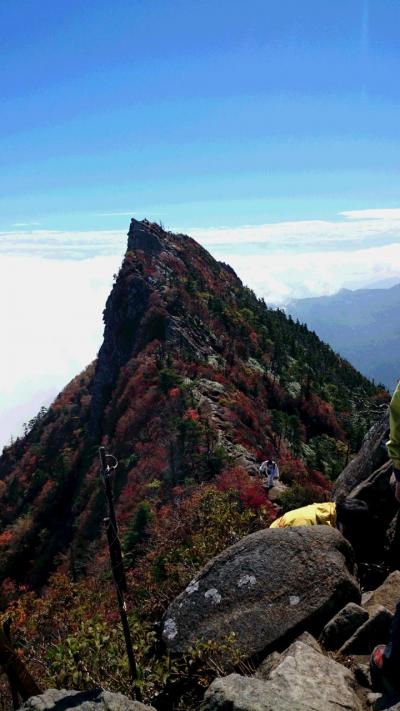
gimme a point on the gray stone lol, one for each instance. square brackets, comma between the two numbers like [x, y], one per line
[273, 660]
[374, 631]
[96, 700]
[341, 627]
[387, 595]
[296, 579]
[268, 665]
[372, 698]
[279, 488]
[318, 681]
[305, 679]
[307, 638]
[242, 693]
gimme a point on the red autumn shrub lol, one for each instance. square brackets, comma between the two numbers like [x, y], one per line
[251, 492]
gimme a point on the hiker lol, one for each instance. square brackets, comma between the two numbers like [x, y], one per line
[385, 659]
[350, 516]
[270, 470]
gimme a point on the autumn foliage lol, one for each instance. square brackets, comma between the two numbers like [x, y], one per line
[196, 382]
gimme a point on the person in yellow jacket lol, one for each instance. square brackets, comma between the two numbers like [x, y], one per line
[393, 445]
[311, 515]
[350, 516]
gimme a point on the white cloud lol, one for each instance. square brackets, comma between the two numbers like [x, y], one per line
[26, 224]
[359, 225]
[377, 214]
[51, 329]
[281, 277]
[63, 244]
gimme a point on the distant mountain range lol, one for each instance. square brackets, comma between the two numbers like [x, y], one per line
[362, 325]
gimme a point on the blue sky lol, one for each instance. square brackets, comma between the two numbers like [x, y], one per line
[267, 130]
[197, 113]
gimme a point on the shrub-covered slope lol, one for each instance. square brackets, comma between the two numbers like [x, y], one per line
[196, 381]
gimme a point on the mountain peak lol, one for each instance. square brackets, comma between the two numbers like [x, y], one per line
[195, 377]
[146, 236]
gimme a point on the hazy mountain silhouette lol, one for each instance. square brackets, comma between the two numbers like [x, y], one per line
[362, 325]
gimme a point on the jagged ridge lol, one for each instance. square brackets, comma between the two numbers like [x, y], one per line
[195, 376]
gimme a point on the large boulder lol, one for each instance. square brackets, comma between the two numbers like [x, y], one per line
[96, 700]
[304, 680]
[266, 589]
[370, 457]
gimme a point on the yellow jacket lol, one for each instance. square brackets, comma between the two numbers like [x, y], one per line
[394, 443]
[312, 515]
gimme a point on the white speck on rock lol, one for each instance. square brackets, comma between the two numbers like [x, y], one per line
[170, 628]
[213, 595]
[192, 587]
[294, 599]
[247, 580]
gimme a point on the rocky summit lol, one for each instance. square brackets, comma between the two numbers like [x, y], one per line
[196, 382]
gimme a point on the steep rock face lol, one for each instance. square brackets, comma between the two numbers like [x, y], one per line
[266, 589]
[370, 457]
[123, 316]
[145, 236]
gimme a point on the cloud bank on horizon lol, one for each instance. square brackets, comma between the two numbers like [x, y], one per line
[54, 284]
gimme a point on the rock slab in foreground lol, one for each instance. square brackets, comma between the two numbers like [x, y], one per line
[243, 693]
[267, 588]
[96, 700]
[305, 680]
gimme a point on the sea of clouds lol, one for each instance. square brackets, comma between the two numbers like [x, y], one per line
[54, 284]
